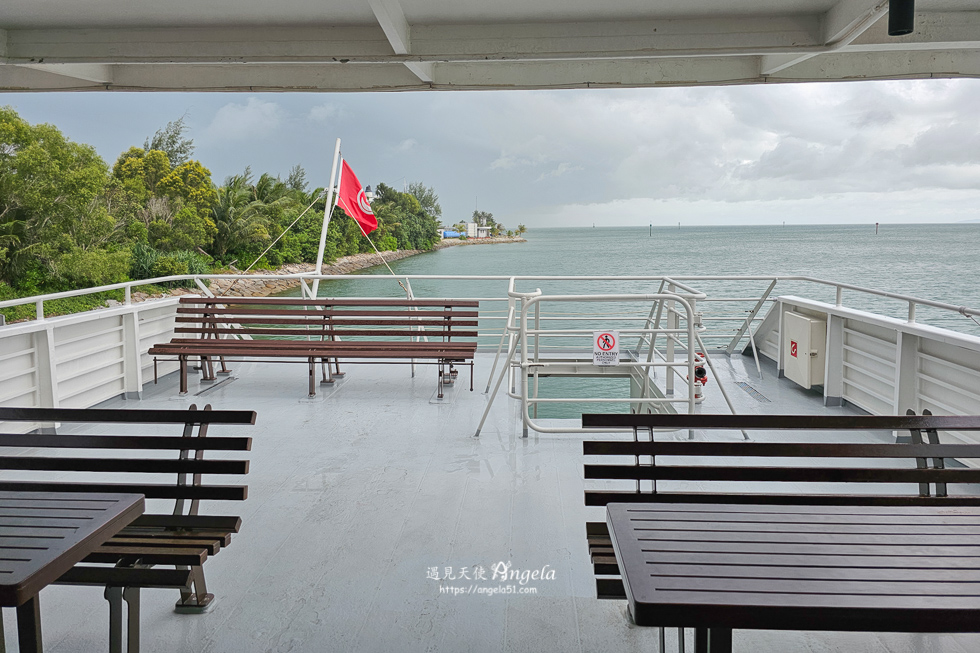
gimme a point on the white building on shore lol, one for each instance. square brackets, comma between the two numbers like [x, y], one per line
[474, 230]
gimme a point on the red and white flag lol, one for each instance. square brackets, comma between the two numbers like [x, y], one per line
[351, 198]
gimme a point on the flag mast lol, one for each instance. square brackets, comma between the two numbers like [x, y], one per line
[327, 212]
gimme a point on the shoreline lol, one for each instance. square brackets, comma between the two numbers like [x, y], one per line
[343, 265]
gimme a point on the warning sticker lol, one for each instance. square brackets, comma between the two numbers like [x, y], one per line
[605, 348]
[793, 348]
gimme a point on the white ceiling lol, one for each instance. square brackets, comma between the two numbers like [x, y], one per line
[359, 45]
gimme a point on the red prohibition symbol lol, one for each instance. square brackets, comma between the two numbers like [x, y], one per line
[606, 341]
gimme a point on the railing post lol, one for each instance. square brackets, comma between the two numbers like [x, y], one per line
[911, 312]
[671, 326]
[39, 305]
[128, 295]
[840, 294]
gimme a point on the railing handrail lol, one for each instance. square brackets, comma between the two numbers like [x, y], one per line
[512, 279]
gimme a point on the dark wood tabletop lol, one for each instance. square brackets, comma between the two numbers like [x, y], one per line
[43, 535]
[877, 569]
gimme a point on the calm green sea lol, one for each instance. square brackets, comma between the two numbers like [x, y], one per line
[937, 262]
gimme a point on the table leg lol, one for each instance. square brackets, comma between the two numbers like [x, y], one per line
[713, 640]
[29, 626]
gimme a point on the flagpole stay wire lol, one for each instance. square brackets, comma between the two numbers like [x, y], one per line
[278, 238]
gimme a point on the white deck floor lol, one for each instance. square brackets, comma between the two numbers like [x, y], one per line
[355, 495]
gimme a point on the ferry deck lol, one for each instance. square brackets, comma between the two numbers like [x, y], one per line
[361, 496]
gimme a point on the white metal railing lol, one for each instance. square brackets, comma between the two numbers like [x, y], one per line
[726, 320]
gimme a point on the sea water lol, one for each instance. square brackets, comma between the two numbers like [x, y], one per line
[936, 262]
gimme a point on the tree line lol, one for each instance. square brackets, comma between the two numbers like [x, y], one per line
[68, 220]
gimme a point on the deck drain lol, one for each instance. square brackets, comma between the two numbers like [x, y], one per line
[215, 386]
[755, 394]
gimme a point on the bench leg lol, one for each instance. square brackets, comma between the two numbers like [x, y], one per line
[183, 374]
[224, 368]
[337, 371]
[132, 597]
[115, 596]
[196, 600]
[325, 370]
[207, 369]
[29, 625]
[312, 377]
[712, 640]
[440, 368]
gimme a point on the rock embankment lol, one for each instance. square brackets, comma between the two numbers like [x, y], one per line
[343, 265]
[262, 287]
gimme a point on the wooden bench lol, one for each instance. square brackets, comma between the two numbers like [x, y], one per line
[917, 466]
[127, 459]
[324, 330]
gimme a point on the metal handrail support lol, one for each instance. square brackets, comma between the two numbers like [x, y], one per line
[747, 325]
[515, 338]
[527, 364]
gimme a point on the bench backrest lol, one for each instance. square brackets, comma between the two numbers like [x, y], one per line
[128, 459]
[765, 472]
[323, 318]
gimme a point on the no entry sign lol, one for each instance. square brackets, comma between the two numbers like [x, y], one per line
[605, 348]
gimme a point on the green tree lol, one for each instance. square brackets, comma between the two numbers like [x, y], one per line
[521, 230]
[235, 218]
[297, 179]
[51, 204]
[483, 218]
[171, 141]
[427, 198]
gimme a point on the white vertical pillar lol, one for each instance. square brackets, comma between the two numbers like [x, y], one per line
[906, 373]
[47, 379]
[833, 387]
[132, 360]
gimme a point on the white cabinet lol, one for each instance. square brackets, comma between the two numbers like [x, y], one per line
[804, 343]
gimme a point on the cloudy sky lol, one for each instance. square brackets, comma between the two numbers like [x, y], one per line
[905, 151]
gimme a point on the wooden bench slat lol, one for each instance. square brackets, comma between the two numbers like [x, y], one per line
[359, 301]
[442, 325]
[323, 315]
[610, 588]
[183, 555]
[203, 522]
[136, 465]
[605, 497]
[321, 333]
[780, 449]
[743, 473]
[783, 422]
[159, 442]
[126, 577]
[115, 416]
[222, 537]
[214, 492]
[212, 546]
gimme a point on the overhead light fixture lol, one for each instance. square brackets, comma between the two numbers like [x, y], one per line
[901, 17]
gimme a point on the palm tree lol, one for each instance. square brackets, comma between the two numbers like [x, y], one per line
[236, 217]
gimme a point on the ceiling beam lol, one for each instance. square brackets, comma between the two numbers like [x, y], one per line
[443, 44]
[392, 20]
[841, 25]
[429, 43]
[89, 72]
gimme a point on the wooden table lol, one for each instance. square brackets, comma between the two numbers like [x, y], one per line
[43, 535]
[715, 567]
